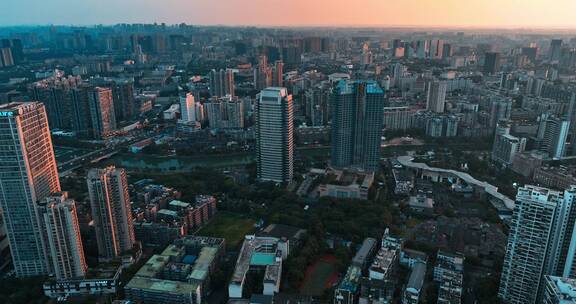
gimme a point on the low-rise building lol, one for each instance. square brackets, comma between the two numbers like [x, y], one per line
[421, 202]
[348, 184]
[266, 253]
[172, 112]
[365, 253]
[181, 274]
[449, 273]
[413, 290]
[404, 181]
[526, 163]
[347, 290]
[98, 281]
[158, 234]
[560, 178]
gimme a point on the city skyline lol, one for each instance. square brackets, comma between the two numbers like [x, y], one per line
[491, 14]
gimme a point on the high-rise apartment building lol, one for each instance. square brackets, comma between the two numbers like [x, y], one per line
[552, 135]
[187, 108]
[262, 74]
[436, 96]
[225, 113]
[222, 82]
[398, 118]
[500, 109]
[506, 147]
[123, 98]
[316, 105]
[59, 222]
[555, 50]
[6, 58]
[436, 49]
[54, 93]
[491, 62]
[28, 174]
[357, 119]
[278, 74]
[274, 135]
[102, 112]
[111, 211]
[80, 108]
[540, 242]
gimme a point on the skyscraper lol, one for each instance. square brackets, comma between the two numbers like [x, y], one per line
[274, 135]
[436, 96]
[505, 148]
[552, 135]
[222, 82]
[187, 108]
[111, 211]
[28, 174]
[357, 119]
[102, 112]
[6, 58]
[54, 93]
[540, 242]
[262, 74]
[59, 222]
[500, 109]
[491, 62]
[437, 49]
[555, 49]
[81, 118]
[123, 98]
[278, 74]
[317, 102]
[225, 112]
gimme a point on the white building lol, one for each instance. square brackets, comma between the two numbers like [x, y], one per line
[540, 243]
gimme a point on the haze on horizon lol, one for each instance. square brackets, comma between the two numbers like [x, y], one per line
[537, 14]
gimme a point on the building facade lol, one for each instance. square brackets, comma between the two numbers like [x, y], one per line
[59, 222]
[540, 242]
[28, 174]
[274, 135]
[357, 119]
[102, 112]
[436, 96]
[111, 211]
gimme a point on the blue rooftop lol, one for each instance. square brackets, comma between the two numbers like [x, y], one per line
[262, 259]
[189, 259]
[372, 87]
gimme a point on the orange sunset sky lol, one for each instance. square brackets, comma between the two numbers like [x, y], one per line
[419, 13]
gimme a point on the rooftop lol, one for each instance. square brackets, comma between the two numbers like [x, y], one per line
[172, 260]
[164, 286]
[364, 251]
[416, 279]
[383, 260]
[257, 251]
[351, 279]
[564, 289]
[346, 86]
[180, 204]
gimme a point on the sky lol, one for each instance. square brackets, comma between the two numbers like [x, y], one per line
[405, 13]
